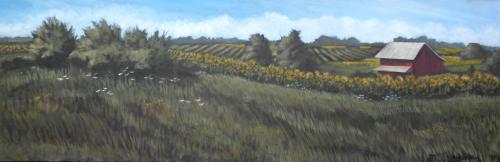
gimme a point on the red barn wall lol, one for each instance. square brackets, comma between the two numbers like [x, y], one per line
[427, 63]
[395, 62]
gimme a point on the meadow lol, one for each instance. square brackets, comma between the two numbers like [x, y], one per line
[70, 114]
[75, 114]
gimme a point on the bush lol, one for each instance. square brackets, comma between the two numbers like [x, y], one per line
[53, 41]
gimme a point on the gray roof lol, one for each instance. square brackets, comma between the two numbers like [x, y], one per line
[402, 50]
[398, 69]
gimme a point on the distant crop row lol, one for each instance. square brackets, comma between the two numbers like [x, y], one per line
[322, 54]
[13, 48]
[340, 54]
[373, 87]
[225, 50]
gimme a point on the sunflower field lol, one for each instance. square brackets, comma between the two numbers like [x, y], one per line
[372, 87]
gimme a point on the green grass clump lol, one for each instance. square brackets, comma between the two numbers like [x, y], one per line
[221, 118]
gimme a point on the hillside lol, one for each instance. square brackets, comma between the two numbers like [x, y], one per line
[71, 115]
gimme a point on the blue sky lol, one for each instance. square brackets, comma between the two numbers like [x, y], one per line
[369, 20]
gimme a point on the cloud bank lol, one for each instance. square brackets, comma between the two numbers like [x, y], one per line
[272, 24]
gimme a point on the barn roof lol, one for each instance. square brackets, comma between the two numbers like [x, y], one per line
[397, 69]
[402, 50]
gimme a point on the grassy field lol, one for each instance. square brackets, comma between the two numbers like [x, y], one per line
[70, 115]
[446, 51]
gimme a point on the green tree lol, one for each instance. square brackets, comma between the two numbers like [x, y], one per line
[294, 53]
[474, 51]
[135, 38]
[259, 50]
[492, 64]
[136, 51]
[159, 59]
[101, 35]
[53, 41]
[100, 47]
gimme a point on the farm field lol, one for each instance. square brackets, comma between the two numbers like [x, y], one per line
[69, 115]
[321, 54]
[336, 59]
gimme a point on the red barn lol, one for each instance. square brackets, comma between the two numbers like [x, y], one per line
[405, 58]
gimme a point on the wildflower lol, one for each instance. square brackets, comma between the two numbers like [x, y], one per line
[60, 79]
[132, 79]
[175, 79]
[201, 104]
[94, 77]
[109, 93]
[181, 100]
[105, 88]
[188, 101]
[97, 91]
[120, 74]
[198, 99]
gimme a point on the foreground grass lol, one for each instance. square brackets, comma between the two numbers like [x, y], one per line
[219, 118]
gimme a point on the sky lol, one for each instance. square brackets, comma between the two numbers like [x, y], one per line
[368, 20]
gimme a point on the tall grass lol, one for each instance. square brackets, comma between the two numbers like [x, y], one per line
[220, 118]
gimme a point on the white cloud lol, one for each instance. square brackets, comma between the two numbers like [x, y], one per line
[272, 24]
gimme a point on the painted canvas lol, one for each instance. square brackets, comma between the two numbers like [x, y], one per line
[250, 80]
